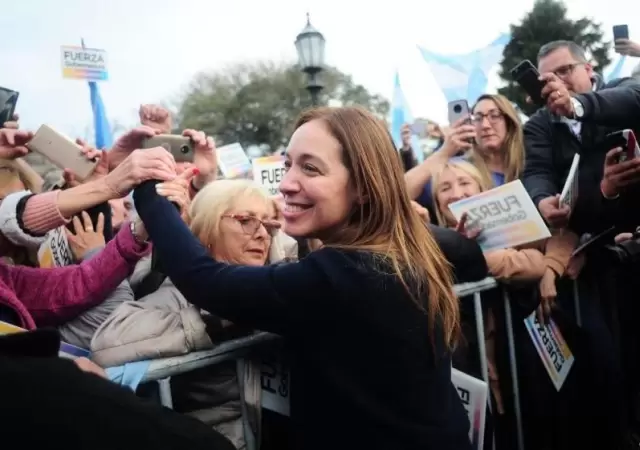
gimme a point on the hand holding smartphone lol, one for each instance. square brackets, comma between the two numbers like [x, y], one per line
[626, 139]
[620, 32]
[180, 147]
[528, 77]
[8, 102]
[62, 151]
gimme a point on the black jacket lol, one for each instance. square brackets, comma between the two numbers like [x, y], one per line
[550, 146]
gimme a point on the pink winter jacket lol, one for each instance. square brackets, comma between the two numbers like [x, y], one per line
[42, 297]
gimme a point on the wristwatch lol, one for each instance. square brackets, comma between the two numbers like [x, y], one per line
[578, 109]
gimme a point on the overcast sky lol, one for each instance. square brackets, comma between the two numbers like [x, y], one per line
[156, 46]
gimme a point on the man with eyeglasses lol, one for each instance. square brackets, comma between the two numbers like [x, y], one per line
[580, 111]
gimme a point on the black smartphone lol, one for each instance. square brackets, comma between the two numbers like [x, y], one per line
[626, 139]
[528, 77]
[8, 102]
[620, 32]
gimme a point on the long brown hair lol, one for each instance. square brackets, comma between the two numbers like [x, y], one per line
[384, 222]
[513, 145]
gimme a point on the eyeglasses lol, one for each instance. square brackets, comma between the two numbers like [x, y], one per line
[566, 70]
[251, 224]
[493, 117]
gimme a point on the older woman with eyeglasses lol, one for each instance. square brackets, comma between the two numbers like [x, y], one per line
[237, 222]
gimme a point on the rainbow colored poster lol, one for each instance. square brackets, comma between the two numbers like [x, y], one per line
[268, 172]
[553, 350]
[506, 215]
[233, 161]
[473, 394]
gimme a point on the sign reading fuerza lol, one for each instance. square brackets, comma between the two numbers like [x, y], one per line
[84, 63]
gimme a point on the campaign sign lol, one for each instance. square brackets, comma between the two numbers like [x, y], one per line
[268, 172]
[275, 381]
[233, 161]
[83, 63]
[506, 215]
[67, 351]
[55, 252]
[473, 394]
[553, 350]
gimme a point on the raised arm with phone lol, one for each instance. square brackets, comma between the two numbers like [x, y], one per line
[575, 119]
[43, 212]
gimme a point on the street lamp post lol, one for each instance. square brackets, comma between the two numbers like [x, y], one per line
[310, 47]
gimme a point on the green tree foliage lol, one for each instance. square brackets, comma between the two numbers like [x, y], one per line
[547, 22]
[257, 103]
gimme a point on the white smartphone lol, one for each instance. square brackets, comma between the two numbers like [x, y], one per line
[62, 151]
[457, 110]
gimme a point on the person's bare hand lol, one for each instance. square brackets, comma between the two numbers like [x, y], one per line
[13, 143]
[627, 47]
[177, 191]
[548, 294]
[156, 117]
[127, 143]
[13, 123]
[141, 165]
[458, 137]
[618, 175]
[421, 210]
[88, 366]
[463, 228]
[204, 159]
[555, 215]
[575, 266]
[622, 237]
[84, 237]
[557, 95]
[89, 152]
[405, 134]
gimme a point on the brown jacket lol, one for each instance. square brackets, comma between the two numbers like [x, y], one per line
[529, 264]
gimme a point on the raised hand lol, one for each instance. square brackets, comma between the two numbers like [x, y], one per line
[85, 237]
[205, 158]
[127, 143]
[141, 165]
[13, 143]
[155, 117]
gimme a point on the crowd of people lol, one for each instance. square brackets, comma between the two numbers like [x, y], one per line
[353, 265]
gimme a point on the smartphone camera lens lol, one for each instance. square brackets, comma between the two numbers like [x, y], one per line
[184, 149]
[457, 109]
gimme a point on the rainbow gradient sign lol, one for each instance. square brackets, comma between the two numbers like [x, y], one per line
[553, 350]
[473, 395]
[83, 63]
[506, 215]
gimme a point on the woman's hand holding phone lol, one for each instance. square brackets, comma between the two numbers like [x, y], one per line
[459, 137]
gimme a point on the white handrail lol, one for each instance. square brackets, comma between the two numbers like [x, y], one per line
[168, 367]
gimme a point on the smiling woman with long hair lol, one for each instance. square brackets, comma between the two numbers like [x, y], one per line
[370, 318]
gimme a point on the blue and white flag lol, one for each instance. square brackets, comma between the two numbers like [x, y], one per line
[400, 115]
[465, 76]
[102, 129]
[616, 71]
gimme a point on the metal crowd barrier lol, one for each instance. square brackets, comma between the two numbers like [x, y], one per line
[161, 370]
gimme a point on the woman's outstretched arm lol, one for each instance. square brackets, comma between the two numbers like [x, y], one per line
[271, 298]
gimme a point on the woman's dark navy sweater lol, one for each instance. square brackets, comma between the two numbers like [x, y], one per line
[365, 374]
